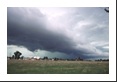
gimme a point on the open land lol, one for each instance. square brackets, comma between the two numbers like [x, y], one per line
[57, 67]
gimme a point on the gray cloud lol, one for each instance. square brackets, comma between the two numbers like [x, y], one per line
[69, 32]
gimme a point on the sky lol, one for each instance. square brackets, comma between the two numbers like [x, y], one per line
[63, 32]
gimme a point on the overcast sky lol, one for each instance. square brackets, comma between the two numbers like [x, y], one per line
[64, 32]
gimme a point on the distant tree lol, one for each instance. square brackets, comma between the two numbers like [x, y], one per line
[8, 58]
[56, 59]
[79, 58]
[45, 58]
[17, 54]
[13, 57]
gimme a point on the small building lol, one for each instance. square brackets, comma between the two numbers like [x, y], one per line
[36, 57]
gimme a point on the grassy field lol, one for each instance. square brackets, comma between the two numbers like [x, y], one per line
[56, 67]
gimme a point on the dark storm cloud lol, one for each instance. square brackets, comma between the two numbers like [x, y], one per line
[31, 33]
[29, 27]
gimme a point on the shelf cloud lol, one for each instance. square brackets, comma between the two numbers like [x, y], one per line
[67, 32]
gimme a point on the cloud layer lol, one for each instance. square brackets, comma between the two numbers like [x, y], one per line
[75, 32]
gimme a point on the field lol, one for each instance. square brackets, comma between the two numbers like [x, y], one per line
[56, 67]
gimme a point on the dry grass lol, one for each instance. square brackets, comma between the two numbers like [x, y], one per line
[56, 67]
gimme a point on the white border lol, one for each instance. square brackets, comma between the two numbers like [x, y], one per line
[58, 3]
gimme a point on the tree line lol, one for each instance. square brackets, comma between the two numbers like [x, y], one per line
[17, 55]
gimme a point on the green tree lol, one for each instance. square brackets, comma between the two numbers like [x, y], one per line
[17, 54]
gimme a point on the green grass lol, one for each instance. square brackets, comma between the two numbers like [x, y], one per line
[56, 67]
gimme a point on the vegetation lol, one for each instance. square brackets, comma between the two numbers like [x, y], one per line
[17, 55]
[57, 67]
